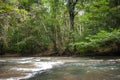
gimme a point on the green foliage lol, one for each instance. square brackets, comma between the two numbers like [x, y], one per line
[101, 39]
[99, 15]
[5, 7]
[34, 26]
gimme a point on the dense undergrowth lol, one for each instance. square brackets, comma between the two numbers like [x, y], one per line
[103, 43]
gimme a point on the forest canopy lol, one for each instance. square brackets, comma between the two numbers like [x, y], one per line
[60, 27]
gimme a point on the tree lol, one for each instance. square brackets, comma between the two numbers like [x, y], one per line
[71, 9]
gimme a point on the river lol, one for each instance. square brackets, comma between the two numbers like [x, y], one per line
[60, 68]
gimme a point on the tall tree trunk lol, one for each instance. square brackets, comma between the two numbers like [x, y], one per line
[71, 10]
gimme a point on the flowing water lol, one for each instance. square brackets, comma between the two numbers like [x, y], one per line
[59, 68]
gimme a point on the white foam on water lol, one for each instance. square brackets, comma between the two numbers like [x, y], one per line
[23, 62]
[2, 60]
[39, 67]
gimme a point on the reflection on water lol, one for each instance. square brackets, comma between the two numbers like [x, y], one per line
[56, 68]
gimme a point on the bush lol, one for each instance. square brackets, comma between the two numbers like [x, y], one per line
[102, 39]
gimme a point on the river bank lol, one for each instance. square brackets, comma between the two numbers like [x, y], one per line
[48, 54]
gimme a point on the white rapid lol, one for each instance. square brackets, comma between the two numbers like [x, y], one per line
[28, 67]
